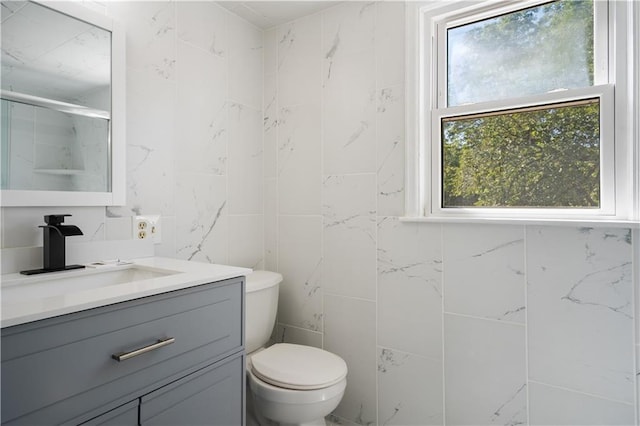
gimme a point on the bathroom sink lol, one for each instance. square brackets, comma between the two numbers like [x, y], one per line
[64, 283]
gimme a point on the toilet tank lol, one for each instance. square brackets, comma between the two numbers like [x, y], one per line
[261, 306]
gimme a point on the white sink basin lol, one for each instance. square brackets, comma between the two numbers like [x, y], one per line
[68, 282]
[25, 299]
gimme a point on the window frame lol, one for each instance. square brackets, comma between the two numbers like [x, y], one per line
[615, 69]
[607, 155]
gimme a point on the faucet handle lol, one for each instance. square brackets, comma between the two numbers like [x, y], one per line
[55, 219]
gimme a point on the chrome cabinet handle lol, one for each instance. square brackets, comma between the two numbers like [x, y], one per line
[123, 356]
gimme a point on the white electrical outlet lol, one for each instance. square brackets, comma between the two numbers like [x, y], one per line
[140, 228]
[155, 228]
[144, 227]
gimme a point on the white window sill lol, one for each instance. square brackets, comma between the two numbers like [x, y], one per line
[591, 223]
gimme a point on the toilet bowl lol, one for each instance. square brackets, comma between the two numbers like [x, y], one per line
[288, 384]
[294, 384]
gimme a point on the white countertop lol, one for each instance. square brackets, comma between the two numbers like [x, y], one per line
[31, 298]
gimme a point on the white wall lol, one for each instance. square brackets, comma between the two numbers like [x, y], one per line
[194, 138]
[455, 324]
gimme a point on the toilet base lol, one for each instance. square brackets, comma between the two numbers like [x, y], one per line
[319, 422]
[261, 411]
[255, 418]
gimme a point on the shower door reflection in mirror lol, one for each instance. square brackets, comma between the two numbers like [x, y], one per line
[56, 101]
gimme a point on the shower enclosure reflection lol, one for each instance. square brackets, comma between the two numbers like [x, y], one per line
[57, 99]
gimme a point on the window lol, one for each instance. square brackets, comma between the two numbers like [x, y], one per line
[514, 113]
[536, 156]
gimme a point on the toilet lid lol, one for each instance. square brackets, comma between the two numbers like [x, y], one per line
[298, 367]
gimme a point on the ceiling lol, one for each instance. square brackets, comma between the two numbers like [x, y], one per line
[267, 14]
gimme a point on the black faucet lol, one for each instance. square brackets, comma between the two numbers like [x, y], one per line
[54, 244]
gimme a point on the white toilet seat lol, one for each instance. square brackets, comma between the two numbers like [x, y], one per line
[281, 395]
[298, 367]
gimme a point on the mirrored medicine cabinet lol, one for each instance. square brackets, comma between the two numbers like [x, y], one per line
[63, 106]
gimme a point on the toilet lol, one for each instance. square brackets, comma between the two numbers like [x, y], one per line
[287, 384]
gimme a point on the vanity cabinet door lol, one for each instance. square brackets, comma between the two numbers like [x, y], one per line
[125, 415]
[60, 370]
[211, 396]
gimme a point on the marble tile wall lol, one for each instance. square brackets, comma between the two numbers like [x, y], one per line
[455, 324]
[194, 136]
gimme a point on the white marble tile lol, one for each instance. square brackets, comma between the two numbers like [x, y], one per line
[20, 224]
[245, 62]
[300, 84]
[299, 61]
[348, 76]
[635, 242]
[409, 389]
[270, 126]
[350, 333]
[245, 165]
[580, 310]
[298, 39]
[52, 128]
[346, 196]
[52, 182]
[150, 152]
[333, 420]
[390, 136]
[91, 152]
[348, 28]
[201, 119]
[50, 156]
[203, 24]
[96, 6]
[118, 228]
[300, 263]
[270, 42]
[485, 372]
[22, 127]
[389, 39]
[554, 406]
[201, 218]
[410, 287]
[22, 136]
[271, 224]
[637, 401]
[349, 235]
[299, 160]
[484, 271]
[246, 241]
[300, 336]
[151, 36]
[167, 248]
[349, 114]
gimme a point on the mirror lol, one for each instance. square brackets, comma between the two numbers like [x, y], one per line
[62, 106]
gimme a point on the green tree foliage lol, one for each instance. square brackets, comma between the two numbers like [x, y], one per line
[543, 158]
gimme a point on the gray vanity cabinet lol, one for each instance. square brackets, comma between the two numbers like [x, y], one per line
[125, 415]
[61, 370]
[189, 400]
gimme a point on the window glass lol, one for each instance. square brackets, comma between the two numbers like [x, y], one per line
[530, 51]
[541, 156]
